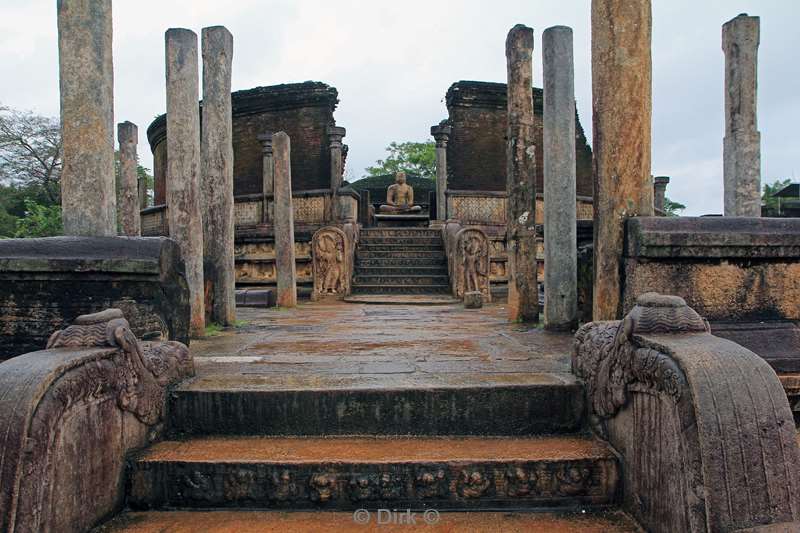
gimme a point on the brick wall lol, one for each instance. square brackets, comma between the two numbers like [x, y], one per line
[302, 110]
[476, 153]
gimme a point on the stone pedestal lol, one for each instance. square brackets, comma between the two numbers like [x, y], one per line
[560, 232]
[217, 174]
[621, 94]
[88, 196]
[523, 294]
[267, 170]
[441, 134]
[183, 165]
[128, 200]
[473, 300]
[284, 222]
[742, 143]
[660, 192]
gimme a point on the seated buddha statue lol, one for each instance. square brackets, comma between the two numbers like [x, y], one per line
[400, 197]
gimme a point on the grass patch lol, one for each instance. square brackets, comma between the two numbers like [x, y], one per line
[241, 323]
[213, 329]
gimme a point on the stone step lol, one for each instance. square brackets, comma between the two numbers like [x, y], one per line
[402, 262]
[400, 232]
[469, 403]
[226, 521]
[399, 289]
[413, 241]
[381, 270]
[365, 253]
[403, 247]
[346, 473]
[402, 279]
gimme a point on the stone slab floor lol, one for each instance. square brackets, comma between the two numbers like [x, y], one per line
[330, 345]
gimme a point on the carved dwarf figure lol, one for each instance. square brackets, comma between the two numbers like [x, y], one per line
[400, 197]
[474, 252]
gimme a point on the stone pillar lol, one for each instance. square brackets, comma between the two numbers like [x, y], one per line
[560, 211]
[441, 134]
[142, 187]
[86, 70]
[183, 165]
[523, 293]
[217, 174]
[284, 222]
[742, 143]
[335, 135]
[128, 187]
[659, 192]
[267, 171]
[622, 104]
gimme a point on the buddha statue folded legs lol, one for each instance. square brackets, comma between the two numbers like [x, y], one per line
[400, 197]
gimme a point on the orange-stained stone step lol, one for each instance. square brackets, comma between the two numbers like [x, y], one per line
[351, 472]
[300, 450]
[314, 522]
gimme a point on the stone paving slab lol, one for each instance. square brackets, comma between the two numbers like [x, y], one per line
[344, 345]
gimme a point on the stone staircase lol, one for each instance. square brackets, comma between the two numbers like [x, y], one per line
[400, 261]
[362, 453]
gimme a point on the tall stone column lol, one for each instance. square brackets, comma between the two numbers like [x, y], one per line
[742, 143]
[86, 71]
[560, 212]
[183, 165]
[660, 192]
[441, 134]
[283, 224]
[143, 193]
[523, 293]
[335, 136]
[217, 174]
[267, 169]
[128, 186]
[622, 105]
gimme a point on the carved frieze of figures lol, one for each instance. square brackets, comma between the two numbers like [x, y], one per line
[472, 263]
[332, 263]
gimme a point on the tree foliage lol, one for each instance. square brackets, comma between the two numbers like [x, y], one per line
[673, 209]
[416, 158]
[30, 174]
[30, 152]
[768, 198]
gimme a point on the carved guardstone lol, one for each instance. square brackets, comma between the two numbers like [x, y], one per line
[330, 252]
[70, 414]
[471, 272]
[702, 424]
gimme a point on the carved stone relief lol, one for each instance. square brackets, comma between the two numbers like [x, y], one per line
[331, 263]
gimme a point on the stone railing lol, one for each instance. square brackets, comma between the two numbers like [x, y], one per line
[489, 207]
[69, 414]
[702, 425]
[45, 283]
[333, 260]
[468, 250]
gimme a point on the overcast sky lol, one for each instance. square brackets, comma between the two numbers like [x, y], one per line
[392, 63]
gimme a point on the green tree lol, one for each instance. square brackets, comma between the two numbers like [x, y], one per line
[417, 158]
[39, 220]
[768, 198]
[673, 209]
[30, 153]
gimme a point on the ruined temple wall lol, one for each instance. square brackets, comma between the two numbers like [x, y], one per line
[476, 151]
[302, 110]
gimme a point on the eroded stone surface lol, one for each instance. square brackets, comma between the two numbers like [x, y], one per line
[217, 173]
[560, 210]
[742, 143]
[183, 166]
[523, 293]
[128, 187]
[284, 221]
[86, 71]
[622, 106]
